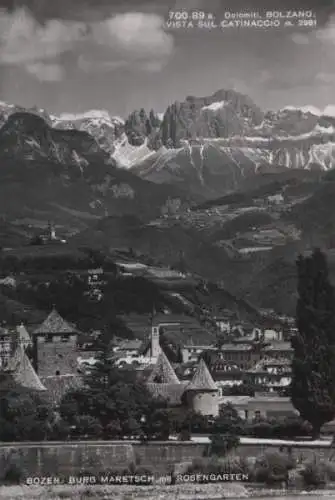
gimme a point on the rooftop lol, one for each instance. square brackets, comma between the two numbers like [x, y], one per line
[268, 362]
[202, 379]
[236, 347]
[129, 345]
[54, 323]
[279, 346]
[22, 372]
[163, 373]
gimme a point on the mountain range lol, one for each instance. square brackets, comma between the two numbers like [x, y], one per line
[236, 191]
[207, 145]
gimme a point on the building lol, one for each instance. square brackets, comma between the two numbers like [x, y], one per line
[200, 394]
[279, 350]
[191, 352]
[128, 348]
[8, 342]
[270, 372]
[55, 346]
[261, 406]
[226, 374]
[48, 237]
[95, 282]
[243, 355]
[270, 335]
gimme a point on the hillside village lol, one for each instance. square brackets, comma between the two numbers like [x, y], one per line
[245, 365]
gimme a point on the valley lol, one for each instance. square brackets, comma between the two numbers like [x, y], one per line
[214, 186]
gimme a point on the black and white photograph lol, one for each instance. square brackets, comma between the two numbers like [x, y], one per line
[167, 249]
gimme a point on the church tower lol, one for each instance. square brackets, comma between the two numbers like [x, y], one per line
[155, 346]
[51, 231]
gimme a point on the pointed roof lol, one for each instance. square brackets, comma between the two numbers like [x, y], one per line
[54, 323]
[202, 380]
[163, 373]
[22, 372]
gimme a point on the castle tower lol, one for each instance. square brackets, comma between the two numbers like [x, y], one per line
[201, 393]
[55, 346]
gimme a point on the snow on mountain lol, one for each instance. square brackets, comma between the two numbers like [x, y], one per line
[105, 129]
[327, 111]
[6, 105]
[95, 115]
[127, 155]
[304, 109]
[215, 106]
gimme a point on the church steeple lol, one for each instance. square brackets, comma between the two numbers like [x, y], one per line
[51, 231]
[155, 348]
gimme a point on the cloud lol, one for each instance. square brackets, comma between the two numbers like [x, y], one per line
[300, 39]
[134, 32]
[134, 40]
[46, 72]
[325, 34]
[325, 78]
[23, 40]
[89, 65]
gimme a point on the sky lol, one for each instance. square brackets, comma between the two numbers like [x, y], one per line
[69, 56]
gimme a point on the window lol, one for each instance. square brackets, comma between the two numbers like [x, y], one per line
[57, 372]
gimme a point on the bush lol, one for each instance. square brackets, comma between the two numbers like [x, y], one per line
[329, 467]
[217, 465]
[221, 444]
[272, 467]
[12, 474]
[185, 435]
[284, 428]
[314, 474]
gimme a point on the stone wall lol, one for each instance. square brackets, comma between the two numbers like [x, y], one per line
[74, 458]
[52, 459]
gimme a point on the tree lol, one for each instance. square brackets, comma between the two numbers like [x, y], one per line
[112, 398]
[313, 366]
[228, 422]
[221, 444]
[24, 416]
